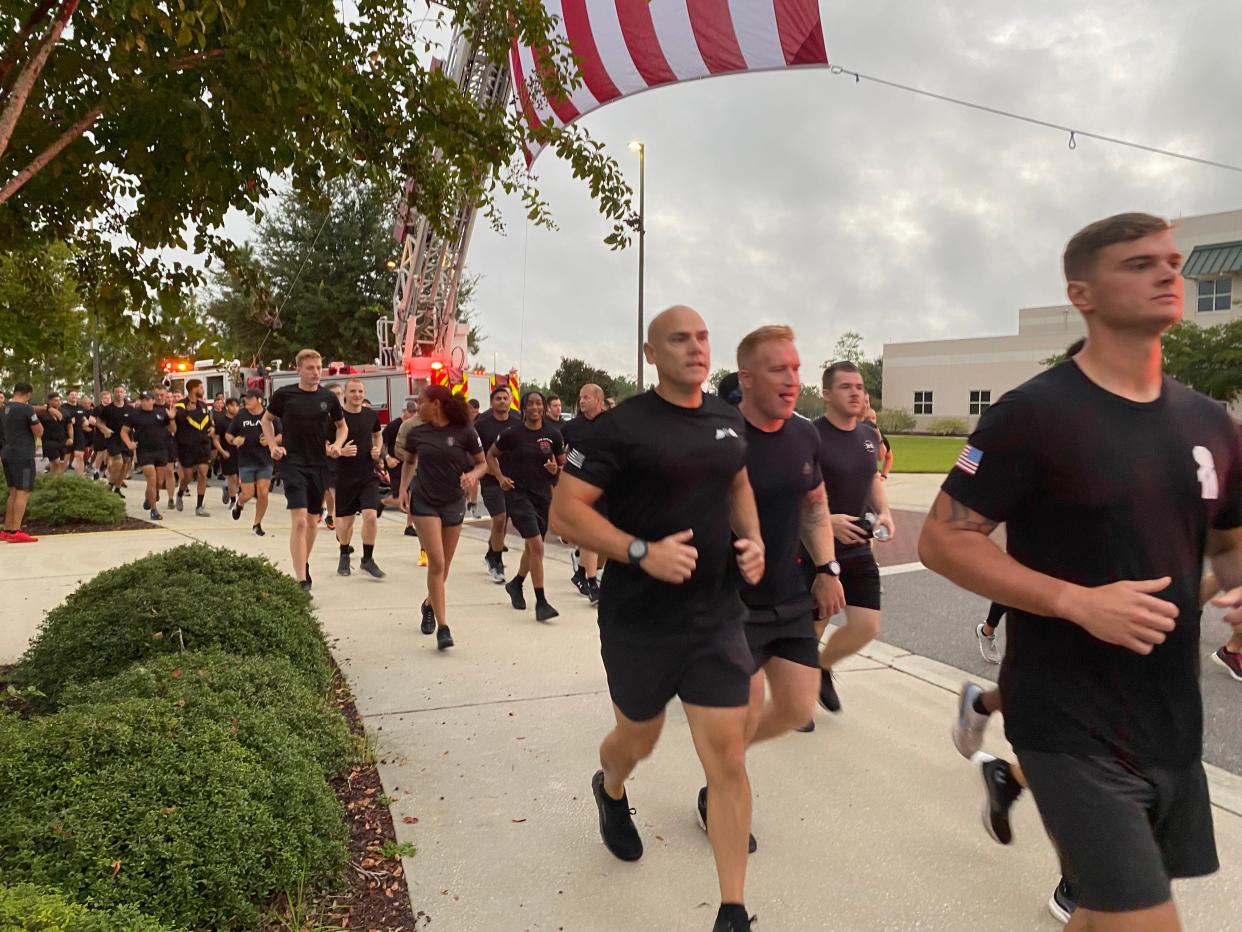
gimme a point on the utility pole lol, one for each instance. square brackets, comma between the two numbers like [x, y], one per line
[641, 149]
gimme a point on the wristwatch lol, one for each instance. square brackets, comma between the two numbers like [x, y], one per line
[831, 568]
[637, 551]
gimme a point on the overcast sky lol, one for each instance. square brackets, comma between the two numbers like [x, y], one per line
[804, 198]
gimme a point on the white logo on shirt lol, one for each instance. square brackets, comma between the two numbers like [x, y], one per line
[1208, 482]
[722, 432]
[452, 441]
[576, 458]
[868, 446]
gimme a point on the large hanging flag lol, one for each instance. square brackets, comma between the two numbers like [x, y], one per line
[627, 46]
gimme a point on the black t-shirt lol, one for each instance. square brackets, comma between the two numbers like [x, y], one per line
[221, 422]
[524, 453]
[847, 458]
[577, 431]
[113, 417]
[307, 418]
[55, 433]
[389, 436]
[665, 469]
[363, 426]
[444, 453]
[489, 430]
[149, 429]
[75, 415]
[19, 441]
[252, 454]
[1094, 489]
[193, 426]
[783, 467]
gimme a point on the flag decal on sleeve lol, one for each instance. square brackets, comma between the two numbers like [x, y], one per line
[969, 459]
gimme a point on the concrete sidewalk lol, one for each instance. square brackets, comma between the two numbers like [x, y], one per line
[872, 822]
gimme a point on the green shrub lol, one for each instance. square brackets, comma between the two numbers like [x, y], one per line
[65, 499]
[894, 420]
[188, 597]
[132, 804]
[44, 909]
[274, 711]
[948, 427]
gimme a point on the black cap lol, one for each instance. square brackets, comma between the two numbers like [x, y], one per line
[145, 396]
[730, 389]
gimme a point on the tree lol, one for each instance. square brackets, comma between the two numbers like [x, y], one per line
[810, 401]
[42, 322]
[572, 374]
[624, 386]
[1208, 359]
[146, 118]
[849, 347]
[717, 377]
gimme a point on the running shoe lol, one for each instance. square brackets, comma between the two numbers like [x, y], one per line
[573, 561]
[155, 515]
[545, 612]
[330, 523]
[1000, 791]
[1064, 901]
[342, 565]
[422, 557]
[429, 619]
[305, 584]
[701, 810]
[371, 568]
[225, 497]
[987, 645]
[202, 512]
[496, 570]
[616, 825]
[258, 530]
[733, 922]
[21, 537]
[580, 581]
[828, 697]
[593, 591]
[444, 638]
[969, 725]
[4, 536]
[410, 532]
[236, 511]
[171, 505]
[514, 588]
[119, 493]
[472, 510]
[180, 502]
[1230, 660]
[807, 728]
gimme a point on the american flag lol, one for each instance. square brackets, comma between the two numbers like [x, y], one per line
[627, 46]
[969, 459]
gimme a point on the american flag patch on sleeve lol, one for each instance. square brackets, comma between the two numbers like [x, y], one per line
[969, 459]
[575, 458]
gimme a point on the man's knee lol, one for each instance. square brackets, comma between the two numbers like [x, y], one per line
[863, 621]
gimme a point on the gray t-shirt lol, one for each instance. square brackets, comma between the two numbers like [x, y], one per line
[19, 440]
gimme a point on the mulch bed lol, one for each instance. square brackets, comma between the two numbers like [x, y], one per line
[129, 524]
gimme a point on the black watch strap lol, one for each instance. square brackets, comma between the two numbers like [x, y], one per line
[831, 568]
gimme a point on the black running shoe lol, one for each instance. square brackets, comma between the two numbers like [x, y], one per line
[305, 584]
[545, 612]
[1000, 791]
[579, 580]
[616, 827]
[180, 501]
[155, 515]
[371, 567]
[807, 728]
[752, 847]
[514, 588]
[828, 697]
[733, 919]
[342, 565]
[330, 523]
[236, 510]
[444, 638]
[429, 619]
[1064, 901]
[593, 590]
[410, 532]
[308, 575]
[225, 497]
[258, 531]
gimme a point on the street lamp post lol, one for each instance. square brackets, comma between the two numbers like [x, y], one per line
[642, 236]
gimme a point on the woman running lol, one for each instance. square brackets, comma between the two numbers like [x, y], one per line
[449, 459]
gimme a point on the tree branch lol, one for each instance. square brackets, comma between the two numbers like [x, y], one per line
[25, 82]
[40, 161]
[187, 61]
[14, 45]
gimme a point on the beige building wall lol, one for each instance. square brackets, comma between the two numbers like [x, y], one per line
[951, 370]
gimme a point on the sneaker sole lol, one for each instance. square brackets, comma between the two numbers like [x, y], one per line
[985, 812]
[1057, 911]
[959, 732]
[1228, 669]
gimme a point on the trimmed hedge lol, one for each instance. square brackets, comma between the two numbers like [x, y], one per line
[69, 499]
[42, 909]
[189, 597]
[268, 703]
[131, 803]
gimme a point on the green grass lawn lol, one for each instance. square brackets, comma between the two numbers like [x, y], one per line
[925, 454]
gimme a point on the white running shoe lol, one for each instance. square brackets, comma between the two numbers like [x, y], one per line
[969, 725]
[987, 645]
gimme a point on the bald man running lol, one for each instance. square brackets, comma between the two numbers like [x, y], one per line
[576, 432]
[671, 619]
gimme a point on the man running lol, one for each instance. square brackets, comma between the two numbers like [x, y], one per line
[254, 459]
[99, 437]
[590, 406]
[75, 414]
[145, 433]
[490, 425]
[22, 428]
[168, 477]
[672, 463]
[306, 411]
[1114, 483]
[195, 437]
[395, 433]
[472, 499]
[847, 457]
[57, 434]
[329, 492]
[357, 486]
[526, 459]
[113, 417]
[554, 410]
[220, 423]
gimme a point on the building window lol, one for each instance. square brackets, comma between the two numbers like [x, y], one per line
[1215, 294]
[922, 402]
[980, 400]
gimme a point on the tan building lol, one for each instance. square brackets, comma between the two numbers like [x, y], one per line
[961, 378]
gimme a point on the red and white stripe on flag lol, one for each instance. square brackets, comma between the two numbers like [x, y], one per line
[627, 46]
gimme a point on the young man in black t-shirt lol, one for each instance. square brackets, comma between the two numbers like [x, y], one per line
[195, 435]
[145, 433]
[672, 463]
[590, 407]
[847, 455]
[357, 486]
[113, 419]
[254, 460]
[525, 461]
[57, 434]
[21, 428]
[75, 414]
[490, 425]
[306, 412]
[224, 455]
[329, 492]
[1114, 483]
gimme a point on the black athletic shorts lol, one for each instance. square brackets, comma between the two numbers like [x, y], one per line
[331, 474]
[304, 486]
[228, 467]
[860, 578]
[116, 446]
[20, 475]
[1123, 832]
[80, 441]
[356, 495]
[191, 456]
[528, 511]
[791, 639]
[450, 515]
[156, 458]
[708, 668]
[493, 497]
[54, 452]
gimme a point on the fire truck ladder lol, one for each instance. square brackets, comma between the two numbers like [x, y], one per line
[424, 299]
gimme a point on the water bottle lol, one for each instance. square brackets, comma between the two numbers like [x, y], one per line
[878, 531]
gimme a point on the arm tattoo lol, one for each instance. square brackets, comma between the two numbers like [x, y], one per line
[950, 511]
[815, 509]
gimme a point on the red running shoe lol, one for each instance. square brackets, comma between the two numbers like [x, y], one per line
[21, 537]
